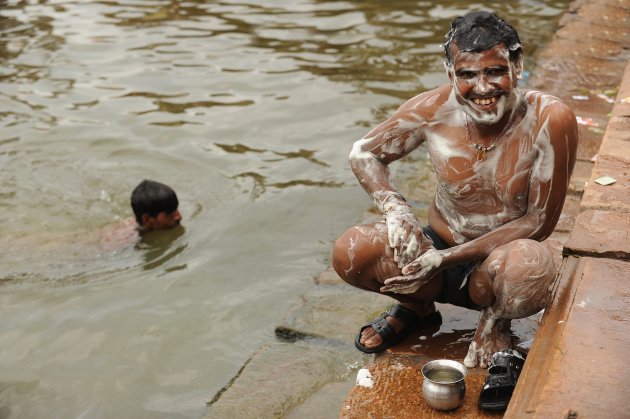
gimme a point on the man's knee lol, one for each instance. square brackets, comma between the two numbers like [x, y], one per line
[531, 259]
[341, 256]
[523, 256]
[523, 284]
[357, 250]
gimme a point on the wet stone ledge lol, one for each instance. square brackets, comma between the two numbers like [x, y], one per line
[613, 159]
[312, 364]
[281, 376]
[332, 312]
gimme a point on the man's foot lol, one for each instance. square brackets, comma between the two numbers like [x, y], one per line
[391, 327]
[492, 335]
[370, 339]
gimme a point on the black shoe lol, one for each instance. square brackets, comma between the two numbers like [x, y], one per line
[505, 368]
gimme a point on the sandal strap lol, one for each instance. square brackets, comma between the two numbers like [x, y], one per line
[382, 327]
[406, 315]
[505, 368]
[385, 330]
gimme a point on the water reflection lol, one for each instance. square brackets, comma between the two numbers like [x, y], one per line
[260, 183]
[364, 43]
[157, 247]
[303, 154]
[72, 259]
[170, 107]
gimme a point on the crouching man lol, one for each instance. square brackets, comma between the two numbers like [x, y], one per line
[503, 158]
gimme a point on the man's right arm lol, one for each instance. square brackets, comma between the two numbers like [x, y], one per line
[369, 160]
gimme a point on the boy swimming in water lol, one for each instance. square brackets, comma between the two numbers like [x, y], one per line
[155, 205]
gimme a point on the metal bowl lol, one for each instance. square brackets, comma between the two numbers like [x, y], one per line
[444, 387]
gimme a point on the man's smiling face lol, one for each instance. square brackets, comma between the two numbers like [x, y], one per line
[485, 82]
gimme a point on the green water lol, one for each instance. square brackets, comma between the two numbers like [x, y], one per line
[248, 109]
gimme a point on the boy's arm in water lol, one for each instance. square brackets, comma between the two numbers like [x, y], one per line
[556, 147]
[119, 235]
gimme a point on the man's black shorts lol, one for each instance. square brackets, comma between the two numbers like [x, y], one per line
[455, 287]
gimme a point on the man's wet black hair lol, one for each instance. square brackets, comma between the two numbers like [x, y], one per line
[151, 197]
[480, 31]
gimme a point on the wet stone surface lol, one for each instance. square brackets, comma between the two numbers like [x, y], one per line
[586, 59]
[281, 376]
[616, 144]
[333, 312]
[581, 174]
[569, 211]
[586, 369]
[397, 393]
[325, 402]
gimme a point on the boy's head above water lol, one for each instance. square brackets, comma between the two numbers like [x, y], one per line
[155, 206]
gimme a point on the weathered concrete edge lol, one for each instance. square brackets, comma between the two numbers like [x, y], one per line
[544, 350]
[542, 353]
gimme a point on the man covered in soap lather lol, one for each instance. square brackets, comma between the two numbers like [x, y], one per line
[503, 158]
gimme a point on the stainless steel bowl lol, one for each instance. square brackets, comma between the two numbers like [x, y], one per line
[444, 387]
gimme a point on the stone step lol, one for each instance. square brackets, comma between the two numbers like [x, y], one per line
[578, 364]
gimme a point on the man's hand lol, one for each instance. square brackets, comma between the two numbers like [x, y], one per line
[416, 274]
[404, 232]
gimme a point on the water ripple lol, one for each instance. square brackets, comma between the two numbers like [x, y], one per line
[170, 107]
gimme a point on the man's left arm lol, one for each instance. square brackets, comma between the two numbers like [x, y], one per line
[556, 152]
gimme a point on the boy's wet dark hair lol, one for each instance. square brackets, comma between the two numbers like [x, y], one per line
[480, 31]
[151, 197]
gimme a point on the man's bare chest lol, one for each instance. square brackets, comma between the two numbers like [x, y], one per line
[500, 179]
